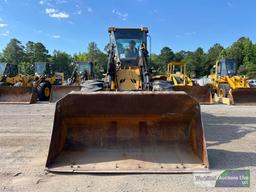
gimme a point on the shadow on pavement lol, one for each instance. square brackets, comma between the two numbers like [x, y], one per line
[223, 159]
[225, 129]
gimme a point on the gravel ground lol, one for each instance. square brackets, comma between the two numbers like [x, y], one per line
[25, 135]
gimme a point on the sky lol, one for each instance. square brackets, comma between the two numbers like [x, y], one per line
[69, 25]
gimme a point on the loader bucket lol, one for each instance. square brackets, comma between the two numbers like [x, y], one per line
[201, 93]
[127, 132]
[17, 95]
[244, 96]
[58, 92]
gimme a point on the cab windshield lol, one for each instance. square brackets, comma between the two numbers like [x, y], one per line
[2, 68]
[82, 67]
[40, 68]
[231, 67]
[128, 43]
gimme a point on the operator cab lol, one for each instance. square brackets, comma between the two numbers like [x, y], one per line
[227, 67]
[42, 68]
[85, 67]
[7, 69]
[128, 43]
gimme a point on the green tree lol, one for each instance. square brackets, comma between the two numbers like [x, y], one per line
[83, 57]
[236, 51]
[243, 51]
[26, 68]
[165, 57]
[14, 52]
[36, 52]
[98, 58]
[196, 63]
[61, 62]
[181, 55]
[214, 53]
[155, 64]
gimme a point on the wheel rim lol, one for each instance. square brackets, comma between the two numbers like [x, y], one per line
[47, 92]
[221, 92]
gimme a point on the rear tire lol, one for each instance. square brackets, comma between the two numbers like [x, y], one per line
[223, 90]
[44, 91]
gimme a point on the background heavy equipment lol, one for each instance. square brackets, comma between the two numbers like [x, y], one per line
[177, 75]
[127, 127]
[82, 76]
[44, 78]
[229, 87]
[15, 87]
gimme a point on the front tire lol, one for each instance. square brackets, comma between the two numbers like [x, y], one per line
[44, 91]
[223, 90]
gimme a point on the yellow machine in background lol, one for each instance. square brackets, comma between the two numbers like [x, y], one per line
[83, 73]
[15, 87]
[127, 127]
[9, 76]
[229, 87]
[177, 75]
[19, 88]
[44, 79]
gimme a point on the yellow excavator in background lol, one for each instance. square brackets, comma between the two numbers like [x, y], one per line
[229, 87]
[177, 75]
[127, 127]
[82, 75]
[15, 87]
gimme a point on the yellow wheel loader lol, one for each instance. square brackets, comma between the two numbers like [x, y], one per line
[83, 72]
[127, 127]
[44, 79]
[229, 87]
[177, 75]
[15, 87]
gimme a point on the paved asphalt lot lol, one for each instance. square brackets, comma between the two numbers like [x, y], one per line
[25, 134]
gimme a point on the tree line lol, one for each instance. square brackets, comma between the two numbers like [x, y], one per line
[199, 62]
[25, 55]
